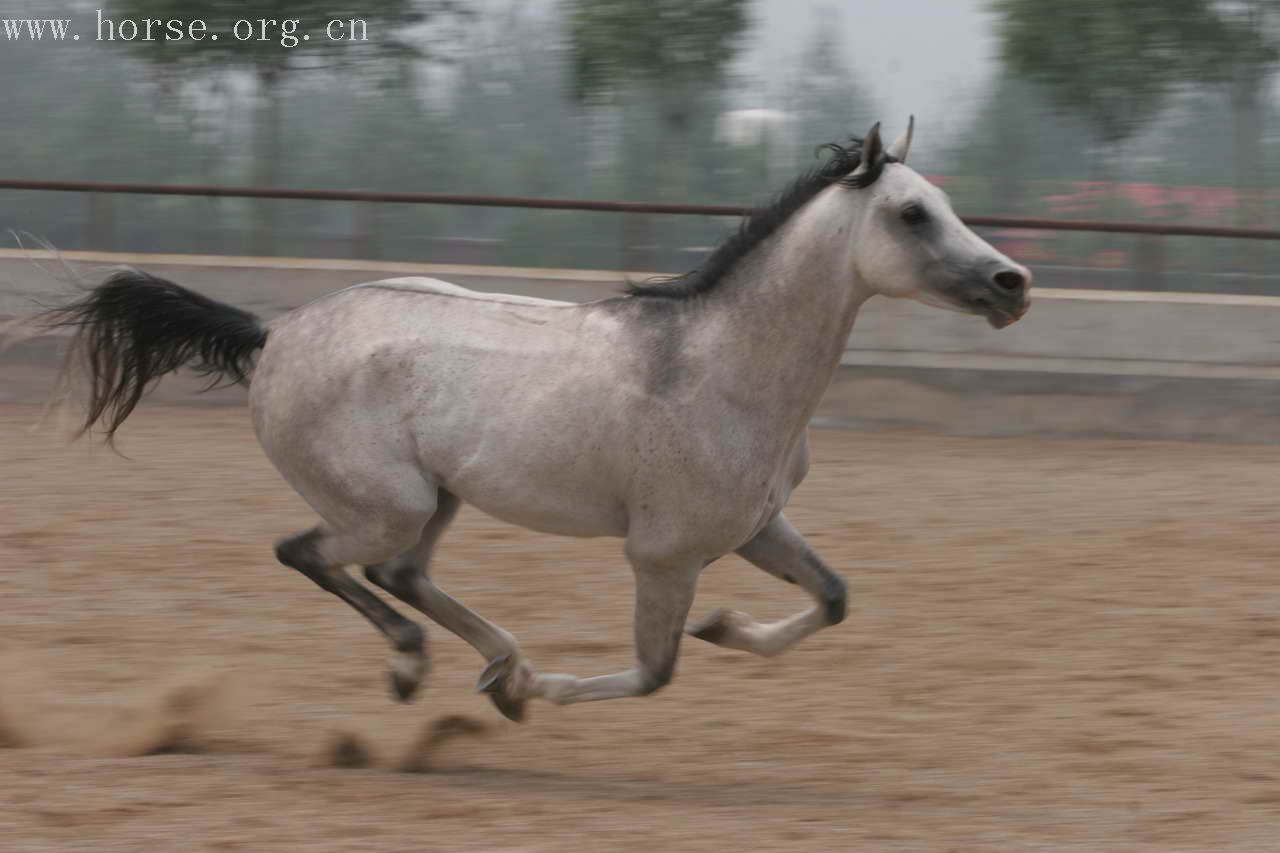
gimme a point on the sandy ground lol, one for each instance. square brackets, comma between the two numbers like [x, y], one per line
[1052, 646]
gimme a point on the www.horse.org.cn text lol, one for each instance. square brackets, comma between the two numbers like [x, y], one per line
[288, 32]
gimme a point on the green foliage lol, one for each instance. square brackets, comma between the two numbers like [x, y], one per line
[826, 99]
[504, 119]
[392, 28]
[672, 46]
[1238, 37]
[1112, 61]
[1013, 140]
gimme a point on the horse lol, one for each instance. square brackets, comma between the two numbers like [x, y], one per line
[672, 416]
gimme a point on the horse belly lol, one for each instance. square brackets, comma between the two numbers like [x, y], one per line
[545, 485]
[527, 451]
[560, 515]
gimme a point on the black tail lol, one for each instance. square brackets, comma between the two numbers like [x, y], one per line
[134, 328]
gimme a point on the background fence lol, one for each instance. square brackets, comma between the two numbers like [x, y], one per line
[1147, 255]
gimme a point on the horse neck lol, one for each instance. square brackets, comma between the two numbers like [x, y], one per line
[787, 310]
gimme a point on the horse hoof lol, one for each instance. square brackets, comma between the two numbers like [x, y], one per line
[512, 709]
[402, 689]
[406, 675]
[712, 629]
[496, 681]
[491, 678]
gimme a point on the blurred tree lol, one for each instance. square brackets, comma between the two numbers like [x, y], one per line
[1113, 62]
[828, 102]
[393, 41]
[673, 51]
[1116, 61]
[1240, 52]
[1012, 140]
[678, 47]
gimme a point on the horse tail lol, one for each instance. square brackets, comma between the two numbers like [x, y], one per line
[134, 328]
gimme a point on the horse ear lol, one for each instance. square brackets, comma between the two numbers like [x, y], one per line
[872, 146]
[899, 149]
[872, 152]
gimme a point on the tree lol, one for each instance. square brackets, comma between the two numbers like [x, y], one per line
[1113, 62]
[1240, 52]
[1116, 61]
[386, 38]
[826, 98]
[670, 50]
[1012, 139]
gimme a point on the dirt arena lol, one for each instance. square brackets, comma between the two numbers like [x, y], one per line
[1052, 645]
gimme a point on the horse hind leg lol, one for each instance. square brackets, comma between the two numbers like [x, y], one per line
[408, 578]
[322, 555]
[664, 592]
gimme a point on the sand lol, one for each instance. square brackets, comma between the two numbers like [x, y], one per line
[1058, 645]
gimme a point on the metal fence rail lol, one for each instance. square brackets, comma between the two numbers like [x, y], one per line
[637, 249]
[210, 190]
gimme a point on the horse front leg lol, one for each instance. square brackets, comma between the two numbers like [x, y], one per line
[664, 593]
[781, 551]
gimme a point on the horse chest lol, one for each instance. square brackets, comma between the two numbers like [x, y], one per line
[785, 477]
[718, 502]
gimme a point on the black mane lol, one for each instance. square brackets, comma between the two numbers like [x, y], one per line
[758, 225]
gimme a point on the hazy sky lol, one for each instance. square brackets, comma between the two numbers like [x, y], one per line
[914, 56]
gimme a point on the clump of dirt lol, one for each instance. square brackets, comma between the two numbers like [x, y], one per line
[348, 751]
[184, 716]
[426, 748]
[22, 711]
[11, 736]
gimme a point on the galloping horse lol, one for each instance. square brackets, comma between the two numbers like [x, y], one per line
[673, 416]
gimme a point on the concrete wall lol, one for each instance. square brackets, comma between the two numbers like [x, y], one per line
[1151, 365]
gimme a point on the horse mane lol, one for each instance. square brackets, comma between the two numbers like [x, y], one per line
[761, 223]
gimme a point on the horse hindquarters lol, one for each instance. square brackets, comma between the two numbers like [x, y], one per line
[373, 500]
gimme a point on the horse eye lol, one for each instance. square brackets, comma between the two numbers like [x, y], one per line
[914, 214]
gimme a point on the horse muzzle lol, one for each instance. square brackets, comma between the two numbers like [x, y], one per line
[1002, 298]
[1001, 313]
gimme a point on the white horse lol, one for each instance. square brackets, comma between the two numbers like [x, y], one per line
[673, 417]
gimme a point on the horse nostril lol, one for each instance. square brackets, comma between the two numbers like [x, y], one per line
[1010, 281]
